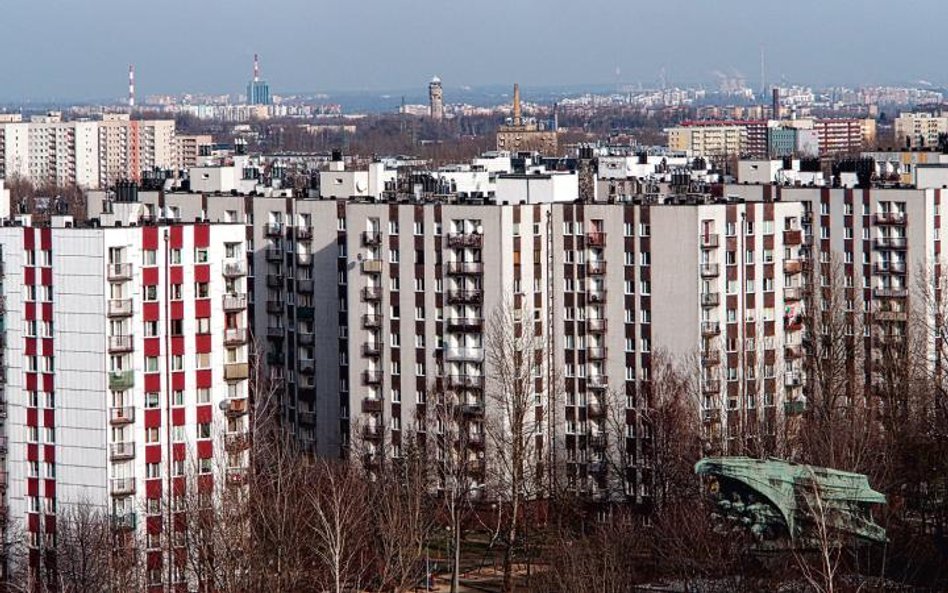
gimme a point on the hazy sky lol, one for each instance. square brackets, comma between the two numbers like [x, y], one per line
[82, 48]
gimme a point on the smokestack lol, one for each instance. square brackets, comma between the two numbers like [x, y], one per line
[776, 103]
[256, 68]
[516, 105]
[131, 87]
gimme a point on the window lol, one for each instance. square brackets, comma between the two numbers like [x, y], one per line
[200, 256]
[150, 293]
[175, 256]
[149, 257]
[152, 435]
[152, 400]
[153, 470]
[204, 430]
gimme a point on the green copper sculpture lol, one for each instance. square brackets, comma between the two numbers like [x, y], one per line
[777, 499]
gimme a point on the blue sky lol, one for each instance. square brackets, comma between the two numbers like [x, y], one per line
[82, 48]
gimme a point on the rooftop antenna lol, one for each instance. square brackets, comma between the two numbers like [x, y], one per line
[256, 68]
[131, 87]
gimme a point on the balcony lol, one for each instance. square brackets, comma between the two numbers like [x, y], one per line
[371, 238]
[303, 233]
[276, 332]
[273, 229]
[237, 407]
[596, 268]
[793, 237]
[596, 326]
[235, 336]
[595, 239]
[305, 338]
[901, 316]
[274, 254]
[710, 299]
[121, 415]
[461, 354]
[596, 296]
[305, 313]
[711, 386]
[465, 324]
[122, 451]
[371, 266]
[793, 351]
[304, 260]
[794, 407]
[371, 321]
[235, 269]
[889, 267]
[371, 405]
[306, 417]
[594, 409]
[305, 286]
[711, 358]
[709, 240]
[274, 281]
[372, 377]
[118, 344]
[710, 329]
[277, 358]
[237, 441]
[792, 379]
[597, 353]
[888, 218]
[465, 240]
[372, 349]
[307, 367]
[120, 272]
[597, 441]
[275, 307]
[457, 268]
[119, 308]
[121, 380]
[465, 382]
[793, 293]
[463, 297]
[472, 409]
[122, 486]
[792, 266]
[890, 293]
[235, 302]
[236, 371]
[710, 270]
[371, 432]
[236, 476]
[597, 381]
[371, 294]
[125, 522]
[891, 243]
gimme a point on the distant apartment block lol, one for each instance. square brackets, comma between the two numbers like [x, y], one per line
[919, 130]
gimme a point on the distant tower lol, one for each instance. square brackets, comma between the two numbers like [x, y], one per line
[258, 91]
[436, 99]
[517, 120]
[776, 103]
[131, 87]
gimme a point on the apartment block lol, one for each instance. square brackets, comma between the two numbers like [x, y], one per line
[919, 130]
[125, 377]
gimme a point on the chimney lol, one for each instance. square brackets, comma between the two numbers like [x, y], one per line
[776, 105]
[516, 105]
[131, 87]
[256, 68]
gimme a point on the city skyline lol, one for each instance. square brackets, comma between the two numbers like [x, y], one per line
[315, 51]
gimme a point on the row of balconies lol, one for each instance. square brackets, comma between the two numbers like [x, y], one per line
[888, 218]
[889, 267]
[276, 255]
[891, 243]
[713, 240]
[465, 324]
[465, 240]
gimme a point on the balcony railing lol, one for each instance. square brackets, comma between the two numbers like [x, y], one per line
[274, 281]
[371, 321]
[597, 381]
[793, 237]
[121, 343]
[307, 367]
[889, 267]
[121, 451]
[235, 336]
[236, 371]
[372, 266]
[371, 238]
[305, 338]
[119, 272]
[371, 293]
[596, 326]
[793, 293]
[465, 240]
[883, 218]
[793, 351]
[122, 415]
[237, 406]
[236, 441]
[273, 229]
[891, 243]
[792, 379]
[709, 240]
[595, 239]
[710, 299]
[711, 358]
[709, 270]
[710, 328]
[125, 522]
[372, 348]
[274, 254]
[465, 382]
[235, 302]
[304, 259]
[303, 233]
[890, 293]
[711, 386]
[597, 295]
[235, 269]
[594, 409]
[372, 377]
[122, 486]
[792, 266]
[472, 409]
[595, 268]
[597, 353]
[371, 405]
[465, 324]
[119, 308]
[457, 268]
[465, 296]
[121, 380]
[464, 354]
[305, 286]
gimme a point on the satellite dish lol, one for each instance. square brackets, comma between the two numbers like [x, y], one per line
[360, 186]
